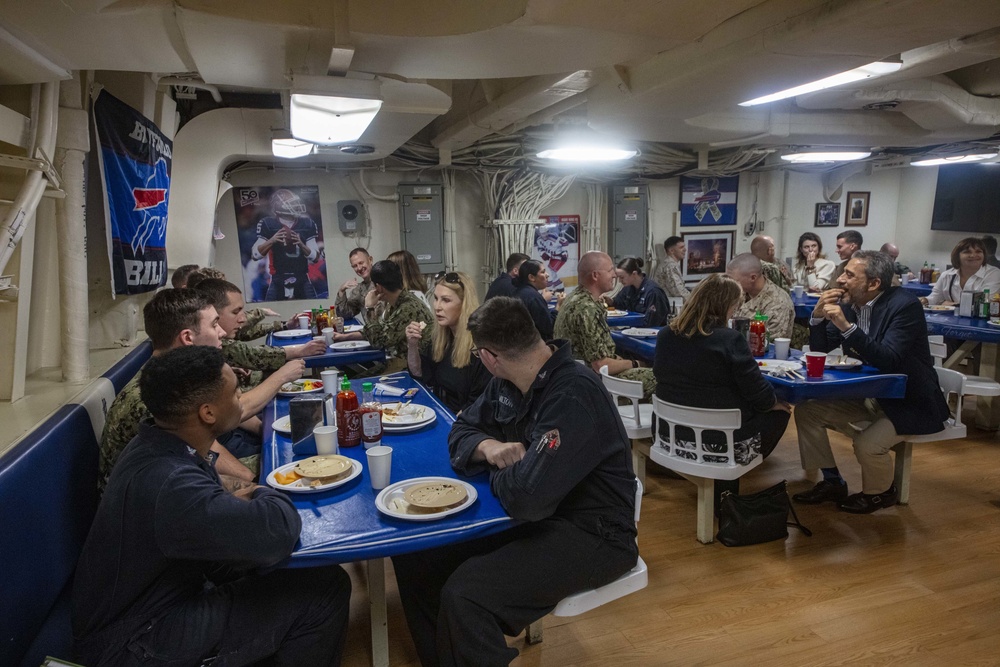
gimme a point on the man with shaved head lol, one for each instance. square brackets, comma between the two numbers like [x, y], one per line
[762, 296]
[898, 269]
[583, 321]
[762, 247]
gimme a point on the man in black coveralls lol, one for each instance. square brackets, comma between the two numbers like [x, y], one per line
[560, 463]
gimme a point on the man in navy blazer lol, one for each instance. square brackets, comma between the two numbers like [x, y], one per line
[885, 328]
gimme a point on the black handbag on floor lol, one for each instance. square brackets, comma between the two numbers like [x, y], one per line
[758, 517]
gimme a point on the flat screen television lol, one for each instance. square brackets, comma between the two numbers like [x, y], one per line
[967, 198]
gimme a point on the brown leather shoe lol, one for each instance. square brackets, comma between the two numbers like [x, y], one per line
[821, 493]
[866, 503]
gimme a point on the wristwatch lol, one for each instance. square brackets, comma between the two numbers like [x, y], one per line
[635, 363]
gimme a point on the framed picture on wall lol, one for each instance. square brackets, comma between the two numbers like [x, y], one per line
[707, 253]
[827, 215]
[708, 201]
[857, 209]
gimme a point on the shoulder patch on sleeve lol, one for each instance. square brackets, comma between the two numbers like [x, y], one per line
[549, 442]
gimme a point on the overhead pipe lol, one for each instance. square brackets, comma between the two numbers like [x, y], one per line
[26, 202]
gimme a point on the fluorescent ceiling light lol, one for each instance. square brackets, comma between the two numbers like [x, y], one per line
[326, 120]
[587, 153]
[958, 159]
[289, 147]
[869, 71]
[828, 156]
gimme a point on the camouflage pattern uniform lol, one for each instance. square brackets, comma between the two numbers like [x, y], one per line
[352, 302]
[389, 331]
[259, 360]
[774, 273]
[583, 321]
[127, 411]
[777, 305]
[668, 276]
[256, 327]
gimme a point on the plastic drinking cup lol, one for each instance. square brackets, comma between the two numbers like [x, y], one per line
[781, 347]
[329, 379]
[379, 465]
[303, 321]
[328, 336]
[815, 362]
[904, 279]
[799, 291]
[326, 440]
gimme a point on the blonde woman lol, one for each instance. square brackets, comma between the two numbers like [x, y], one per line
[447, 364]
[702, 363]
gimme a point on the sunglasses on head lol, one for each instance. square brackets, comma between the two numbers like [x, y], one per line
[449, 277]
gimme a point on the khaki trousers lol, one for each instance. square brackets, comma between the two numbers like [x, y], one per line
[871, 445]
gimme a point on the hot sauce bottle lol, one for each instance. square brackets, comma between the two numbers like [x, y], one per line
[371, 417]
[348, 416]
[758, 335]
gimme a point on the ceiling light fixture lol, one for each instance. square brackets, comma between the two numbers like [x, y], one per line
[825, 156]
[869, 71]
[285, 145]
[957, 159]
[581, 144]
[333, 110]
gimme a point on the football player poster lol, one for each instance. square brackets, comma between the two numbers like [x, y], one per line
[281, 243]
[557, 244]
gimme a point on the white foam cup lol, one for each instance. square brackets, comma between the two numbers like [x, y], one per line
[799, 291]
[326, 440]
[329, 378]
[328, 336]
[379, 465]
[781, 347]
[303, 321]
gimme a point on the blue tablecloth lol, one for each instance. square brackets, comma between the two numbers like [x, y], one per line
[632, 319]
[343, 525]
[332, 357]
[863, 382]
[917, 288]
[804, 306]
[963, 328]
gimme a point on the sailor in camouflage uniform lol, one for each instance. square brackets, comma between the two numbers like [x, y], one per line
[401, 308]
[172, 318]
[583, 320]
[350, 301]
[668, 272]
[762, 296]
[762, 248]
[255, 327]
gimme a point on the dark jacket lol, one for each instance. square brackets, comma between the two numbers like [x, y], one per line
[649, 299]
[577, 464]
[896, 342]
[502, 286]
[456, 387]
[537, 308]
[164, 526]
[715, 371]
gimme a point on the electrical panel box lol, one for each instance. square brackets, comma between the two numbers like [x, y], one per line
[628, 228]
[351, 217]
[421, 224]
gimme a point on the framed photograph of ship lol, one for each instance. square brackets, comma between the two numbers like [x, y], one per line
[707, 253]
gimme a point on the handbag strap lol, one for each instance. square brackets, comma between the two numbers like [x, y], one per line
[797, 523]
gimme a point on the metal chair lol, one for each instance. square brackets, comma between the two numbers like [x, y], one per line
[669, 454]
[637, 418]
[634, 580]
[952, 382]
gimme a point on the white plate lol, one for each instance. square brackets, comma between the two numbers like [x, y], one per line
[351, 345]
[396, 491]
[298, 487]
[848, 362]
[409, 422]
[317, 386]
[641, 333]
[940, 309]
[283, 425]
[292, 333]
[351, 328]
[995, 323]
[617, 313]
[771, 365]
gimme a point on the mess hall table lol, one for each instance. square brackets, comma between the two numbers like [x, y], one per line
[342, 525]
[972, 333]
[918, 288]
[862, 382]
[629, 319]
[331, 357]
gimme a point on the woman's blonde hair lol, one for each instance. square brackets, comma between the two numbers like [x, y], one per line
[441, 337]
[708, 306]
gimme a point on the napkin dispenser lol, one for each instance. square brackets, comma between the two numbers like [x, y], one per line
[304, 414]
[965, 304]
